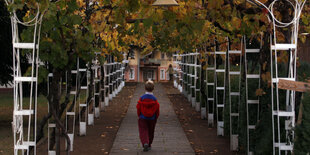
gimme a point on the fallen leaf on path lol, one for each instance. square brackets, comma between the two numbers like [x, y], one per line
[106, 152]
[199, 150]
[103, 135]
[190, 131]
[124, 149]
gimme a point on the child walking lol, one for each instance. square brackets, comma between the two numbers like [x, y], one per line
[148, 112]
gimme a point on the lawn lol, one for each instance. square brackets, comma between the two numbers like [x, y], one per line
[6, 117]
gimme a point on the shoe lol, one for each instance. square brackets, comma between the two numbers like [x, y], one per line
[145, 147]
[150, 148]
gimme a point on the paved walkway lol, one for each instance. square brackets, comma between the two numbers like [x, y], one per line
[169, 135]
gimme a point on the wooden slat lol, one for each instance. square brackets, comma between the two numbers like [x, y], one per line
[294, 85]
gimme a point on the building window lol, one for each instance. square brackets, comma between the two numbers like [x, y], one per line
[167, 77]
[162, 55]
[132, 74]
[150, 75]
[162, 74]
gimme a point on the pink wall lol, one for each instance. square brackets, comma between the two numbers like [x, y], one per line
[157, 74]
[165, 68]
[135, 67]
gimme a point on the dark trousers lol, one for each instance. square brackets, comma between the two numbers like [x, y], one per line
[170, 77]
[146, 131]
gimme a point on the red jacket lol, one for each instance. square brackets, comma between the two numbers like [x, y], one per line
[148, 106]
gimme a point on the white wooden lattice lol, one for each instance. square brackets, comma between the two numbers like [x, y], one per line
[25, 137]
[252, 83]
[283, 119]
[234, 72]
[220, 84]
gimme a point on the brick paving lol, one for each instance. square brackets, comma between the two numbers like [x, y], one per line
[169, 135]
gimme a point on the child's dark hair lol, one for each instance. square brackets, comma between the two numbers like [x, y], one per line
[149, 86]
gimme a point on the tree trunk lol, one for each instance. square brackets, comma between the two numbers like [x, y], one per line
[299, 119]
[55, 110]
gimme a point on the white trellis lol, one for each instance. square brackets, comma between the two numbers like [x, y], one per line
[193, 77]
[108, 76]
[203, 85]
[234, 75]
[252, 83]
[122, 75]
[110, 67]
[70, 113]
[192, 80]
[91, 103]
[210, 84]
[197, 82]
[180, 73]
[184, 74]
[114, 78]
[220, 82]
[102, 88]
[106, 83]
[176, 69]
[188, 76]
[119, 77]
[25, 138]
[83, 84]
[283, 119]
[96, 83]
[51, 126]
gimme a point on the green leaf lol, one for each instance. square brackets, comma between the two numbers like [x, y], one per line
[147, 22]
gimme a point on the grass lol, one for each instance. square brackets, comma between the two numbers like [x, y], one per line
[6, 106]
[6, 117]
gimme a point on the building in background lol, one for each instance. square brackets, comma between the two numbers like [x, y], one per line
[153, 66]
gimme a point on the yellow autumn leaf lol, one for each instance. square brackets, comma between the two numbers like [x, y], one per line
[236, 22]
[260, 92]
[266, 76]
